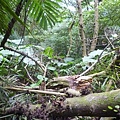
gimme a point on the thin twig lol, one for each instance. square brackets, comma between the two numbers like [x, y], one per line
[92, 65]
[29, 74]
[109, 40]
[88, 69]
[97, 74]
[45, 70]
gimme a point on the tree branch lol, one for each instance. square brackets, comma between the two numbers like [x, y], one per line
[25, 55]
[34, 91]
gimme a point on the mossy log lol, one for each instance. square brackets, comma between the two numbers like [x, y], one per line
[96, 104]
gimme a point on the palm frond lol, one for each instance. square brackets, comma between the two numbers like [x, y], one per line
[6, 13]
[45, 12]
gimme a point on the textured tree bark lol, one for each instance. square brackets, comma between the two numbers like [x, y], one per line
[91, 105]
[96, 28]
[96, 104]
[81, 28]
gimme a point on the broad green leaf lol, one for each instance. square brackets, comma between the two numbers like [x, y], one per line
[51, 15]
[48, 52]
[42, 21]
[51, 68]
[49, 21]
[40, 77]
[36, 84]
[30, 9]
[68, 59]
[38, 11]
[45, 23]
[37, 7]
[52, 9]
[39, 17]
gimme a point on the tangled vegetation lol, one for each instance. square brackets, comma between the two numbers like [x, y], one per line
[48, 71]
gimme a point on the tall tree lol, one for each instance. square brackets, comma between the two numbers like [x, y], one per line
[81, 27]
[96, 28]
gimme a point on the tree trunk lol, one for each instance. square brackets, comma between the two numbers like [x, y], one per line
[96, 28]
[97, 104]
[81, 28]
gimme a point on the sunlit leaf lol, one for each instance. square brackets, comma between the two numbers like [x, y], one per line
[48, 52]
[109, 107]
[115, 110]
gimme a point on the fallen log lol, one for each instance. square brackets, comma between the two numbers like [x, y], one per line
[96, 104]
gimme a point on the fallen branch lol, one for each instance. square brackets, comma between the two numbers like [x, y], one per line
[97, 74]
[34, 91]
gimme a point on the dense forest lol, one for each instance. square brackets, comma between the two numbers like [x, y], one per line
[59, 60]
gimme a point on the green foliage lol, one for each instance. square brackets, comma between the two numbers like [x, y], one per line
[4, 18]
[115, 109]
[50, 47]
[48, 52]
[6, 9]
[40, 78]
[44, 12]
[109, 13]
[59, 40]
[108, 16]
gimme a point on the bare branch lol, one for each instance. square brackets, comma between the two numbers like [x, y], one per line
[23, 54]
[29, 74]
[34, 91]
